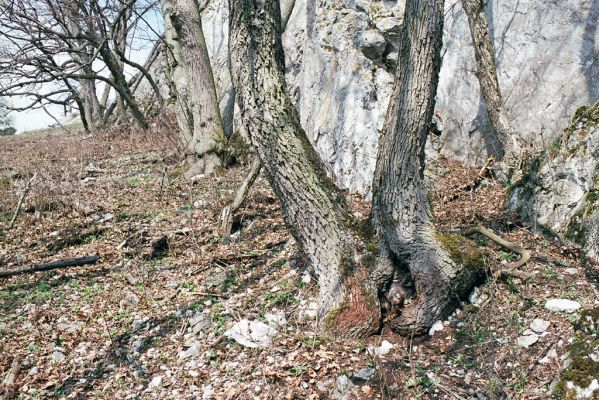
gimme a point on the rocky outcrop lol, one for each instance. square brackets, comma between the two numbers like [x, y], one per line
[341, 56]
[561, 189]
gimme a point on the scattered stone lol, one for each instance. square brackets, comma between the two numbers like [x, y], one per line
[527, 340]
[539, 325]
[276, 319]
[156, 381]
[130, 300]
[198, 322]
[365, 374]
[571, 271]
[562, 305]
[191, 352]
[382, 350]
[437, 327]
[306, 279]
[343, 388]
[549, 357]
[477, 298]
[57, 356]
[208, 393]
[309, 311]
[251, 334]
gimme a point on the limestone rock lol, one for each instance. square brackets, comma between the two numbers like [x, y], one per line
[344, 388]
[539, 325]
[562, 305]
[251, 334]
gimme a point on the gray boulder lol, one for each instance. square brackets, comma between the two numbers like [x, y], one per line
[561, 190]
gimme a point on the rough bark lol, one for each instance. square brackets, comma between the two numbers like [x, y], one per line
[198, 115]
[312, 205]
[487, 78]
[401, 209]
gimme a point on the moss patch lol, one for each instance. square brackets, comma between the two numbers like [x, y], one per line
[462, 251]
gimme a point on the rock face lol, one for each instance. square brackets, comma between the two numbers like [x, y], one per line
[561, 190]
[341, 56]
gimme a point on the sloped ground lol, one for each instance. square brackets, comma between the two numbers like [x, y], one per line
[147, 321]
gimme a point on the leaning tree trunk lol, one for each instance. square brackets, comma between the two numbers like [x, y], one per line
[487, 78]
[400, 207]
[312, 205]
[198, 114]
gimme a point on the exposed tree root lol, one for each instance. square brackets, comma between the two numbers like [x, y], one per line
[229, 211]
[525, 254]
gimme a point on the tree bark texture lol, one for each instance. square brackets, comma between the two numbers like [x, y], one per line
[487, 78]
[198, 114]
[410, 247]
[313, 207]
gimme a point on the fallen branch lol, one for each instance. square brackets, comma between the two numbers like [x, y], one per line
[71, 262]
[11, 377]
[229, 211]
[21, 200]
[525, 254]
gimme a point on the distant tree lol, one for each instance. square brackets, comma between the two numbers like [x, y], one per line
[56, 52]
[489, 84]
[6, 120]
[198, 113]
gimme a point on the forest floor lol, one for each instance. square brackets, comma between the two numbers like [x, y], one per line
[148, 320]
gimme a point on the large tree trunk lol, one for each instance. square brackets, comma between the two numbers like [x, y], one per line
[353, 264]
[401, 209]
[198, 114]
[487, 78]
[313, 206]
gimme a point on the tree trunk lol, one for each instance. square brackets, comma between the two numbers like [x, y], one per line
[487, 78]
[198, 114]
[313, 207]
[401, 209]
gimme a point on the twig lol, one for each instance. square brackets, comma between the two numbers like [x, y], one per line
[229, 211]
[71, 262]
[21, 200]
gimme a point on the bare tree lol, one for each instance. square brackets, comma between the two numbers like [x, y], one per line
[487, 77]
[56, 53]
[198, 114]
[355, 261]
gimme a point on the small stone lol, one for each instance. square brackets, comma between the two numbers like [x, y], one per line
[382, 350]
[528, 340]
[571, 271]
[192, 351]
[309, 311]
[437, 327]
[306, 279]
[58, 356]
[365, 374]
[208, 393]
[562, 305]
[343, 388]
[276, 319]
[156, 381]
[253, 334]
[539, 325]
[551, 355]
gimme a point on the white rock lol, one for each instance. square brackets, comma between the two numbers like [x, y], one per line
[437, 327]
[382, 350]
[156, 381]
[549, 357]
[539, 325]
[208, 393]
[251, 334]
[306, 279]
[528, 340]
[562, 305]
[276, 319]
[309, 311]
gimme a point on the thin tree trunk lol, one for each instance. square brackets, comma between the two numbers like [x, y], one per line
[198, 114]
[401, 209]
[313, 206]
[487, 78]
